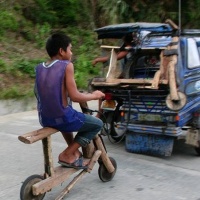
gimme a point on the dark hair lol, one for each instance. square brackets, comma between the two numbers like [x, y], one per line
[128, 38]
[55, 42]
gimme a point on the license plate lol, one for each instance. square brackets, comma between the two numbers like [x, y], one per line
[192, 137]
[149, 117]
[109, 104]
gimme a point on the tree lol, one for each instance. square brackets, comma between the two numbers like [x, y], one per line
[111, 11]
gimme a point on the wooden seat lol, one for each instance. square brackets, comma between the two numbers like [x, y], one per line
[36, 135]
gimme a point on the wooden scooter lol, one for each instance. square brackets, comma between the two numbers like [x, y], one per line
[36, 186]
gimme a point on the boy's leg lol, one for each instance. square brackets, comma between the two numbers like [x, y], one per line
[69, 138]
[88, 131]
[85, 134]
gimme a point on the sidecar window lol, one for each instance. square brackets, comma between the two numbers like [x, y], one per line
[193, 54]
[145, 66]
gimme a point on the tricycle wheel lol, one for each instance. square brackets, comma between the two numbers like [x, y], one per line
[104, 175]
[118, 130]
[197, 149]
[26, 189]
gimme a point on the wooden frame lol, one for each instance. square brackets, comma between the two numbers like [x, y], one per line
[55, 176]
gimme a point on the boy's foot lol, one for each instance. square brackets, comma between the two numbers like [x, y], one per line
[79, 163]
[78, 154]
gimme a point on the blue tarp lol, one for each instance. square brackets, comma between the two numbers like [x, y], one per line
[119, 30]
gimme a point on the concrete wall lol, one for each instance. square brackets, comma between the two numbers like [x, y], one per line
[14, 106]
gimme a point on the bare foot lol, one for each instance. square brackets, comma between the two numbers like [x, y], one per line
[78, 154]
[78, 163]
[70, 158]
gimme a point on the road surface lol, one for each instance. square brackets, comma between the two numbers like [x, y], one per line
[138, 177]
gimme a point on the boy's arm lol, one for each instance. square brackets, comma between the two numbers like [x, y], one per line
[100, 59]
[72, 90]
[120, 55]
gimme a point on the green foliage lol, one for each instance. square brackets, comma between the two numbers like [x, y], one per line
[58, 13]
[65, 11]
[34, 20]
[116, 11]
[84, 50]
[3, 66]
[7, 21]
[39, 11]
[84, 71]
[15, 92]
[43, 31]
[27, 66]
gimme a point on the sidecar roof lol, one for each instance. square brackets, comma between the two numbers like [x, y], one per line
[119, 30]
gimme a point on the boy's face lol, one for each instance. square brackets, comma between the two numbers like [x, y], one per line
[67, 54]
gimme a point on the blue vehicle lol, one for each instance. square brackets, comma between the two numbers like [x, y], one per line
[156, 98]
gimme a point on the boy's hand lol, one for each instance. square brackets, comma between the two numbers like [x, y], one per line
[94, 62]
[98, 94]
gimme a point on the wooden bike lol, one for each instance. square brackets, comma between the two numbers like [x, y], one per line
[36, 186]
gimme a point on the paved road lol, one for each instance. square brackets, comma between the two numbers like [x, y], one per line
[138, 177]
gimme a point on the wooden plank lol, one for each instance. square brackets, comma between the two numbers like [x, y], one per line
[93, 160]
[104, 156]
[171, 72]
[34, 136]
[116, 82]
[71, 185]
[141, 81]
[156, 79]
[48, 158]
[113, 65]
[60, 175]
[164, 61]
[172, 81]
[105, 84]
[129, 48]
[110, 47]
[172, 24]
[79, 176]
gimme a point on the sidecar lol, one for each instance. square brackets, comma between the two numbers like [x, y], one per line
[155, 97]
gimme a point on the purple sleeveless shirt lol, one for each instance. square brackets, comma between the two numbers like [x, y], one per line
[48, 89]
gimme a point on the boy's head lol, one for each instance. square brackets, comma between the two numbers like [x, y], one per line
[55, 42]
[128, 38]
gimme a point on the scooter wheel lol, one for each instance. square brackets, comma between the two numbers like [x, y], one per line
[26, 188]
[104, 175]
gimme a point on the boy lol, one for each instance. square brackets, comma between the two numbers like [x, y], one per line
[54, 88]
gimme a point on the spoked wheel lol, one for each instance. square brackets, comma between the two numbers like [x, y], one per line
[104, 175]
[26, 189]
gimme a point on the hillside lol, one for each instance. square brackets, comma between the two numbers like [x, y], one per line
[14, 83]
[25, 26]
[22, 43]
